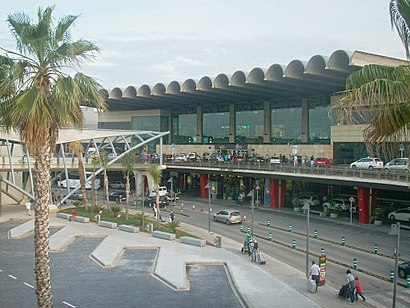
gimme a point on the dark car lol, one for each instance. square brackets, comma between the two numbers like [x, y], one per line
[404, 269]
[163, 201]
[116, 196]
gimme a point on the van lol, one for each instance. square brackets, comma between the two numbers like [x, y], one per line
[162, 191]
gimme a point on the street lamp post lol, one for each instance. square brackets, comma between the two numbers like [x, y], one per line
[208, 186]
[252, 194]
[351, 200]
[395, 230]
[306, 207]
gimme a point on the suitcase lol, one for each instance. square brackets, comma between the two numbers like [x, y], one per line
[343, 292]
[311, 285]
[261, 259]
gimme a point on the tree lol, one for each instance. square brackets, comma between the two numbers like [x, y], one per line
[156, 174]
[128, 164]
[104, 162]
[37, 98]
[95, 160]
[77, 148]
[380, 95]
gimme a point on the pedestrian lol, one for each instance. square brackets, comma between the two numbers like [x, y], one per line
[351, 282]
[154, 210]
[53, 197]
[28, 208]
[251, 244]
[314, 273]
[73, 214]
[254, 250]
[172, 216]
[359, 289]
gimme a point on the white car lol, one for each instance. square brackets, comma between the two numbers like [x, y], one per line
[274, 160]
[397, 164]
[402, 214]
[312, 199]
[118, 185]
[229, 216]
[369, 163]
[182, 157]
[340, 203]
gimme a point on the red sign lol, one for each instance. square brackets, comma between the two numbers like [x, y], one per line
[322, 272]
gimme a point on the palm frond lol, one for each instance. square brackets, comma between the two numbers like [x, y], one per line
[400, 19]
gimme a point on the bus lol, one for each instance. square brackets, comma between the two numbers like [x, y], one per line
[74, 181]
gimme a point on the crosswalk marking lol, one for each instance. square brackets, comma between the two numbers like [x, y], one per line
[11, 276]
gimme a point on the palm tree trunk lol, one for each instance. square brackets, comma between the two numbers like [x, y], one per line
[41, 228]
[82, 179]
[106, 188]
[127, 194]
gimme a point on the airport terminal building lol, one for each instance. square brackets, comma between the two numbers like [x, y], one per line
[263, 112]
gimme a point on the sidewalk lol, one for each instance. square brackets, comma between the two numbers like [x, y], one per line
[275, 284]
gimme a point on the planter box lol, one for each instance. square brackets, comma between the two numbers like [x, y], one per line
[334, 215]
[296, 209]
[378, 222]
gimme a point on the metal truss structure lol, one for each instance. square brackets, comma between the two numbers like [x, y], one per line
[16, 159]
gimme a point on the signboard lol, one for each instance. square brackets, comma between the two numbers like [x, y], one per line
[294, 149]
[322, 271]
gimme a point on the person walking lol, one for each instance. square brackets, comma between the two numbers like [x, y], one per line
[351, 282]
[314, 273]
[73, 214]
[172, 216]
[359, 289]
[254, 250]
[28, 208]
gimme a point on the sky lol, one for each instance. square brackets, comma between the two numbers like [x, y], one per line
[152, 41]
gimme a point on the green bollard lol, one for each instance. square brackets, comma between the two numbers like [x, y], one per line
[182, 211]
[408, 282]
[249, 229]
[355, 263]
[290, 228]
[322, 251]
[315, 234]
[268, 224]
[241, 228]
[343, 241]
[376, 249]
[270, 236]
[391, 276]
[294, 244]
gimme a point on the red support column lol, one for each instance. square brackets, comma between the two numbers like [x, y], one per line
[203, 180]
[366, 201]
[277, 187]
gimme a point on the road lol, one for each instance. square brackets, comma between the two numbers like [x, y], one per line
[359, 242]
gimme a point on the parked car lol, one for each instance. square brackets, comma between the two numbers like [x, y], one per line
[322, 162]
[256, 159]
[116, 196]
[229, 216]
[150, 201]
[312, 199]
[182, 157]
[216, 157]
[193, 156]
[111, 156]
[118, 185]
[342, 204]
[275, 160]
[401, 214]
[398, 165]
[76, 196]
[404, 269]
[369, 163]
[169, 157]
[239, 159]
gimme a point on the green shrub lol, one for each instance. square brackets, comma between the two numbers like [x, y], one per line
[98, 207]
[378, 213]
[172, 226]
[115, 209]
[296, 203]
[77, 203]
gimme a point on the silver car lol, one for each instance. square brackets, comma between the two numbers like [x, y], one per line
[229, 216]
[397, 164]
[369, 163]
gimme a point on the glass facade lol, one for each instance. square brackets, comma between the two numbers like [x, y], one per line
[319, 125]
[155, 123]
[184, 128]
[286, 125]
[215, 127]
[249, 126]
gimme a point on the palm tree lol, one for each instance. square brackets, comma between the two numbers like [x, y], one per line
[77, 148]
[128, 164]
[37, 99]
[380, 95]
[104, 162]
[156, 174]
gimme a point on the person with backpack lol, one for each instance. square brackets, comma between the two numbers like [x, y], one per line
[351, 282]
[359, 289]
